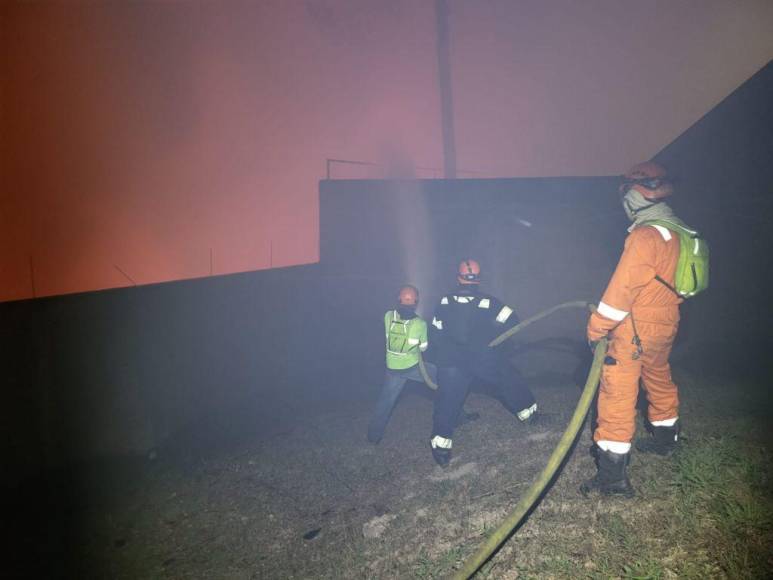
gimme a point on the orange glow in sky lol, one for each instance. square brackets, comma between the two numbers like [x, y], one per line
[149, 142]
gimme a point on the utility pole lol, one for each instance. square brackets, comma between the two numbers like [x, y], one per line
[444, 86]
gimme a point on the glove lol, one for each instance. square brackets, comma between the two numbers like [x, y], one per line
[592, 344]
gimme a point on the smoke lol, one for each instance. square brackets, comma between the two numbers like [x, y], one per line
[413, 224]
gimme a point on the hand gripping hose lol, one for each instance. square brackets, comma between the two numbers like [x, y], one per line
[530, 498]
[505, 335]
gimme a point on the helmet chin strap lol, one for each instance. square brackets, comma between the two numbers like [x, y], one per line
[632, 210]
[636, 211]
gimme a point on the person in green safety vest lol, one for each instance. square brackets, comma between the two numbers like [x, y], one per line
[406, 338]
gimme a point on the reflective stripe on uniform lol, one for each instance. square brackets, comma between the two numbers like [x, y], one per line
[665, 232]
[444, 300]
[413, 341]
[484, 303]
[526, 413]
[437, 323]
[504, 314]
[609, 312]
[463, 299]
[664, 422]
[614, 446]
[442, 442]
[423, 346]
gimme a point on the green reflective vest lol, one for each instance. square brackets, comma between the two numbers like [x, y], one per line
[404, 338]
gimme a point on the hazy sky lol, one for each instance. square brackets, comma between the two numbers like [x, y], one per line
[146, 142]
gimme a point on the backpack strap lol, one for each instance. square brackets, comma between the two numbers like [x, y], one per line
[667, 285]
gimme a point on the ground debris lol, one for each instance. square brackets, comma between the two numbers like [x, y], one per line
[377, 526]
[457, 473]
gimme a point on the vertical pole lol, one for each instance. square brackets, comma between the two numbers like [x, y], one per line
[32, 278]
[444, 86]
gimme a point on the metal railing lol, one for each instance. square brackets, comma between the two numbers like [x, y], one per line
[436, 171]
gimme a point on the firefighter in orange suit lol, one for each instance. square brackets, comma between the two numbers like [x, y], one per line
[639, 314]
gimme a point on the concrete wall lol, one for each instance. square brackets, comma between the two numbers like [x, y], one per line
[540, 242]
[125, 371]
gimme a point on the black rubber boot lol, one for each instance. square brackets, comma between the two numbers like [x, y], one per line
[612, 476]
[441, 455]
[663, 441]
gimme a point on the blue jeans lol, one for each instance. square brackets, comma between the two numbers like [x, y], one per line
[394, 382]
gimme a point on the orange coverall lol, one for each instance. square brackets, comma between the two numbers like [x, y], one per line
[635, 299]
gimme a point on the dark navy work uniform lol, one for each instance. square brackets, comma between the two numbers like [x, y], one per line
[462, 327]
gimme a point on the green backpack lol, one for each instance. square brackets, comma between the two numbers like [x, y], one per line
[692, 269]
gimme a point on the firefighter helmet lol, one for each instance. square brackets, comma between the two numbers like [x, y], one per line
[469, 272]
[649, 179]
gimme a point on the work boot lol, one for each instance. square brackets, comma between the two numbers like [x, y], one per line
[663, 441]
[612, 476]
[441, 450]
[375, 432]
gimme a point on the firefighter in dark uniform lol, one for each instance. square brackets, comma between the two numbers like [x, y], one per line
[464, 323]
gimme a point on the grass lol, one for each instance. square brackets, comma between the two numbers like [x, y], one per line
[427, 568]
[724, 488]
[424, 568]
[718, 513]
[705, 512]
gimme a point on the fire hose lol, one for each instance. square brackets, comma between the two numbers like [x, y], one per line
[533, 494]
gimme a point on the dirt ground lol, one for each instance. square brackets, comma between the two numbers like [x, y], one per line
[315, 500]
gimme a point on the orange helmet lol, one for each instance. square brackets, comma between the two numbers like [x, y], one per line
[649, 179]
[408, 296]
[469, 272]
